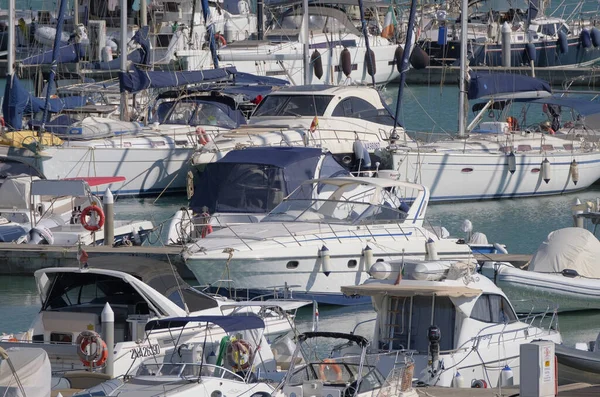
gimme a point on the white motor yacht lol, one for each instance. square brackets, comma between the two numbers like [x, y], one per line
[457, 326]
[326, 234]
[139, 290]
[327, 117]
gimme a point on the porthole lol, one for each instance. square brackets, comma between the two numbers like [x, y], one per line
[352, 263]
[292, 264]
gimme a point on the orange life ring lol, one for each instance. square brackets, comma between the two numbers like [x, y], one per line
[96, 357]
[329, 363]
[202, 136]
[87, 211]
[220, 40]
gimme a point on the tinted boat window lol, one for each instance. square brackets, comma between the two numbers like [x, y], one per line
[293, 105]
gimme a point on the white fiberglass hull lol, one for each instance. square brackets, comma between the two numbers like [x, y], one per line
[285, 61]
[267, 256]
[527, 289]
[453, 175]
[148, 170]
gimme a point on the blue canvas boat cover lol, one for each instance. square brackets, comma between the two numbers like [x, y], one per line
[255, 180]
[582, 106]
[66, 54]
[137, 80]
[18, 102]
[228, 323]
[484, 84]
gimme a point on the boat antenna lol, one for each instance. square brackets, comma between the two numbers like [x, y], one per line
[404, 66]
[365, 33]
[123, 49]
[190, 39]
[55, 49]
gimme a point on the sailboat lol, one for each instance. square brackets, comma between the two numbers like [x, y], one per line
[509, 156]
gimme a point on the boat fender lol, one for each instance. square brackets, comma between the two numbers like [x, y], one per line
[325, 261]
[211, 358]
[91, 349]
[574, 171]
[317, 62]
[500, 249]
[398, 54]
[346, 62]
[96, 217]
[381, 270]
[546, 170]
[368, 255]
[595, 33]
[479, 384]
[202, 136]
[190, 185]
[585, 39]
[205, 220]
[419, 58]
[431, 250]
[506, 377]
[571, 273]
[41, 234]
[530, 53]
[562, 44]
[458, 380]
[512, 162]
[371, 66]
[106, 55]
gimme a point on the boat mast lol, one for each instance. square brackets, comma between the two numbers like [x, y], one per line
[10, 57]
[306, 38]
[363, 23]
[123, 115]
[55, 49]
[462, 114]
[405, 57]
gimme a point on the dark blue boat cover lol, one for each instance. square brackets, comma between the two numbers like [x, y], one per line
[18, 102]
[484, 84]
[582, 106]
[67, 54]
[255, 180]
[227, 323]
[137, 80]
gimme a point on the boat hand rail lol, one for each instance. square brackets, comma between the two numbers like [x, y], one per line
[361, 323]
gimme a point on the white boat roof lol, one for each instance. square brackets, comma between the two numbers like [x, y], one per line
[284, 304]
[323, 89]
[412, 288]
[381, 183]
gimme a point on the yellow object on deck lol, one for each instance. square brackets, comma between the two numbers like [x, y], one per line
[22, 139]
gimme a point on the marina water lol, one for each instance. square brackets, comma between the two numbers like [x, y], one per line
[522, 224]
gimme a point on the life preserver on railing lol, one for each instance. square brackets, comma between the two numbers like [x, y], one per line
[239, 354]
[96, 215]
[330, 364]
[207, 227]
[91, 349]
[202, 136]
[221, 42]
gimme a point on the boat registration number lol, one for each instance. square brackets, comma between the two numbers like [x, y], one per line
[372, 145]
[145, 351]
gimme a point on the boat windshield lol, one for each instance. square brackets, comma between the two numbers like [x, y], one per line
[185, 370]
[332, 211]
[293, 105]
[320, 23]
[342, 373]
[194, 113]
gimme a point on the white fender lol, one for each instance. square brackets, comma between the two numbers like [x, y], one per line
[180, 228]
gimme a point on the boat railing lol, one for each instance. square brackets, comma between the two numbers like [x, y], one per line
[361, 323]
[188, 371]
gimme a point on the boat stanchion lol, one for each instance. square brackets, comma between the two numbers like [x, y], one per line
[108, 202]
[108, 334]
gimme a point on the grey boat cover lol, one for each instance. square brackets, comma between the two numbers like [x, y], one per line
[569, 248]
[33, 369]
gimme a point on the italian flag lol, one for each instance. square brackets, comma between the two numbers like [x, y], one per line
[389, 24]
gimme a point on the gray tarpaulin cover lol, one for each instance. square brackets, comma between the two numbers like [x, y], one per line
[33, 368]
[569, 248]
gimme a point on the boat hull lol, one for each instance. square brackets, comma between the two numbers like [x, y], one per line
[453, 175]
[547, 55]
[577, 365]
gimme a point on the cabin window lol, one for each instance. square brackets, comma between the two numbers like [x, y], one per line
[352, 263]
[493, 309]
[547, 147]
[568, 146]
[292, 265]
[292, 105]
[549, 29]
[352, 107]
[331, 168]
[506, 149]
[524, 148]
[407, 329]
